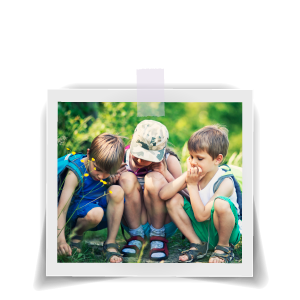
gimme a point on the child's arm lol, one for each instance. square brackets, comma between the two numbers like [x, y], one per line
[173, 187]
[71, 182]
[201, 212]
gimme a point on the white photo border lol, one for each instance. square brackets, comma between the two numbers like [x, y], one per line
[53, 268]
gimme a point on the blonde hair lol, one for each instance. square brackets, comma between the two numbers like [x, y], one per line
[213, 139]
[108, 152]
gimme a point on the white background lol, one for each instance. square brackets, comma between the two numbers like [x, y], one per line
[54, 44]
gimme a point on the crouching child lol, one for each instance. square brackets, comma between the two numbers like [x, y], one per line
[210, 219]
[87, 200]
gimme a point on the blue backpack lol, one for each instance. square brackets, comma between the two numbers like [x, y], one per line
[236, 174]
[66, 163]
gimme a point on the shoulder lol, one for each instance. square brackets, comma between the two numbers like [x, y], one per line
[173, 163]
[71, 179]
[174, 166]
[226, 188]
[171, 159]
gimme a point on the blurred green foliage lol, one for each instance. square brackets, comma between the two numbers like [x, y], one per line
[80, 122]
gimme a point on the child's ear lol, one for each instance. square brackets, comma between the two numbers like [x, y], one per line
[219, 159]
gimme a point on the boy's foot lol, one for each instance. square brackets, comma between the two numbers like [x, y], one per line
[76, 243]
[217, 259]
[133, 246]
[158, 248]
[184, 257]
[111, 252]
[158, 244]
[193, 253]
[222, 254]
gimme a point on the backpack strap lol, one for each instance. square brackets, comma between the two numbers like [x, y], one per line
[229, 173]
[73, 166]
[226, 175]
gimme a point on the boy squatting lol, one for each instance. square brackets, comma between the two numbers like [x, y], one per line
[208, 215]
[97, 206]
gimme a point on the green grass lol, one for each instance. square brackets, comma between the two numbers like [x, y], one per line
[92, 254]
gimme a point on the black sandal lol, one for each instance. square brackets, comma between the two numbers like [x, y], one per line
[108, 254]
[76, 245]
[193, 255]
[228, 254]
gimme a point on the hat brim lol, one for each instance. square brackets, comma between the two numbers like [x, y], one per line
[149, 155]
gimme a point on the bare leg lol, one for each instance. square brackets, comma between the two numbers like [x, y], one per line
[224, 222]
[91, 220]
[156, 207]
[182, 221]
[133, 205]
[115, 210]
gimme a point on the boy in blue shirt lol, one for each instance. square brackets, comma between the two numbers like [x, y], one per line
[210, 219]
[96, 205]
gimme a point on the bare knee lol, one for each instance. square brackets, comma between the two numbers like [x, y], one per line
[94, 216]
[128, 182]
[115, 193]
[175, 202]
[154, 181]
[221, 206]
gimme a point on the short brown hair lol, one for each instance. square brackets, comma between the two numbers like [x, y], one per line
[108, 152]
[213, 139]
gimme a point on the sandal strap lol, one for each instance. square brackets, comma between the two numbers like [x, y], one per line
[158, 238]
[77, 237]
[164, 249]
[136, 238]
[194, 254]
[108, 255]
[224, 249]
[202, 248]
[136, 248]
[111, 245]
[191, 254]
[77, 245]
[227, 256]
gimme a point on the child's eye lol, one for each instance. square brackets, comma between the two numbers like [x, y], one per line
[200, 158]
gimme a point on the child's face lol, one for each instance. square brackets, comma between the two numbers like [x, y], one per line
[140, 163]
[97, 173]
[203, 160]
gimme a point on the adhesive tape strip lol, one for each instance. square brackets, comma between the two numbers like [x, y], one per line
[150, 93]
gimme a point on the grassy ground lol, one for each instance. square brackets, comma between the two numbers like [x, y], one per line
[93, 241]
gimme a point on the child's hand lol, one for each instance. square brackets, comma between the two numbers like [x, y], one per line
[122, 168]
[115, 177]
[194, 175]
[159, 167]
[112, 179]
[64, 249]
